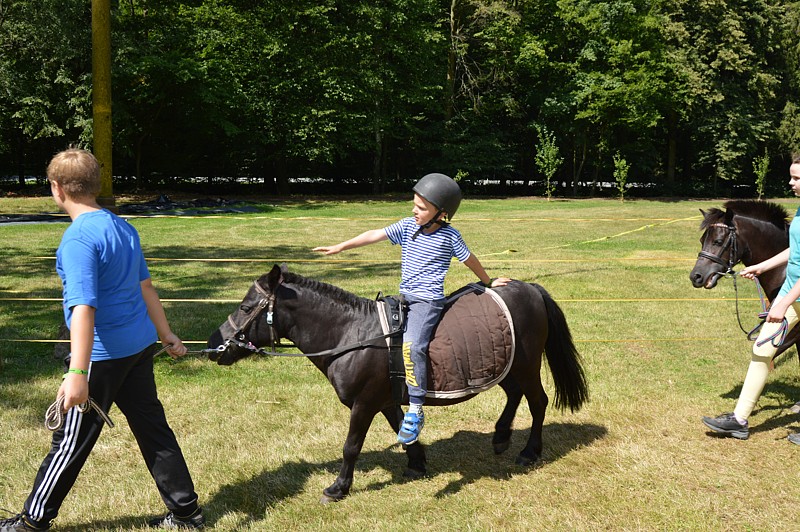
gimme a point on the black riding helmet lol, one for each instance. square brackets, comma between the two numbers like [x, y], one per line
[441, 191]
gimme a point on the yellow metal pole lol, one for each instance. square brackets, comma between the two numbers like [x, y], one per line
[101, 96]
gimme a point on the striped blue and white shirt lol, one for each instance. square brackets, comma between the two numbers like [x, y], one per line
[426, 259]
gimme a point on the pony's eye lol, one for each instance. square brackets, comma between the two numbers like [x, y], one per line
[245, 308]
[718, 242]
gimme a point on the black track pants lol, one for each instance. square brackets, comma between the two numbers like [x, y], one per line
[128, 382]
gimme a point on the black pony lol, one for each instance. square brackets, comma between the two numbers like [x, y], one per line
[746, 231]
[319, 317]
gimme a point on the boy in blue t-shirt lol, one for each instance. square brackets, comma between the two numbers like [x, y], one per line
[115, 318]
[428, 244]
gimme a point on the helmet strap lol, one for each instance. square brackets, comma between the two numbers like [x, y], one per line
[434, 220]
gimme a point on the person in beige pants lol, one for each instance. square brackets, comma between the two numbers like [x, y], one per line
[782, 317]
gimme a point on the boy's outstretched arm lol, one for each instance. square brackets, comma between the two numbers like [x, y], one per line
[477, 268]
[159, 318]
[365, 238]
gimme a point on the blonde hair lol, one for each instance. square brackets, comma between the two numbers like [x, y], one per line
[77, 172]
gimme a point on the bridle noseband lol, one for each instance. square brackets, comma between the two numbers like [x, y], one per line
[267, 302]
[729, 243]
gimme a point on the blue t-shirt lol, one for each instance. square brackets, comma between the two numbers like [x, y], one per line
[426, 259]
[793, 267]
[101, 264]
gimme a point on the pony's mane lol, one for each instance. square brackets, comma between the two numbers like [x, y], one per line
[329, 291]
[760, 210]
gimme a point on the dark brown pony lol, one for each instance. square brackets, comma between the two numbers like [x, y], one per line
[746, 231]
[318, 317]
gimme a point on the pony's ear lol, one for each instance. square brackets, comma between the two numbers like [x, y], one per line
[729, 214]
[703, 213]
[274, 277]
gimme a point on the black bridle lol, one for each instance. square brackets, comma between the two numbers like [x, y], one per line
[730, 245]
[266, 302]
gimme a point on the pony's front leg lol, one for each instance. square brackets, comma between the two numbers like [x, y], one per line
[360, 420]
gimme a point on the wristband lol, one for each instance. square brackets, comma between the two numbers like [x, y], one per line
[78, 371]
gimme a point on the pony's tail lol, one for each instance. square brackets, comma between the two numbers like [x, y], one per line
[572, 390]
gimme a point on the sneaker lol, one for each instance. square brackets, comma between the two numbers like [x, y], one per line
[18, 523]
[172, 521]
[411, 427]
[794, 438]
[727, 424]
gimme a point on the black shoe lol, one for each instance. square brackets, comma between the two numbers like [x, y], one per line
[172, 521]
[794, 438]
[727, 424]
[18, 523]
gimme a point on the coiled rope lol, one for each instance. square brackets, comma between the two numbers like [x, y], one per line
[54, 417]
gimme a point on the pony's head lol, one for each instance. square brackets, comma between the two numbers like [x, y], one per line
[719, 251]
[738, 233]
[252, 324]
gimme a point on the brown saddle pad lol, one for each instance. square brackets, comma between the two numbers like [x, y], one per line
[472, 347]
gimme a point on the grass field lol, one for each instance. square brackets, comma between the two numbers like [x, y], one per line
[264, 437]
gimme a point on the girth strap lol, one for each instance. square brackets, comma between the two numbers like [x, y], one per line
[391, 314]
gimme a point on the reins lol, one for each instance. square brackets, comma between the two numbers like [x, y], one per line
[731, 242]
[267, 303]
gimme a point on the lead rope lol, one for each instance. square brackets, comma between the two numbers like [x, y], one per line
[779, 334]
[54, 417]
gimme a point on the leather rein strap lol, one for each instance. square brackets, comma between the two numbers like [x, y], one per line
[267, 302]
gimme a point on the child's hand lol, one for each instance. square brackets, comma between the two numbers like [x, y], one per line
[327, 250]
[500, 281]
[751, 272]
[75, 389]
[777, 312]
[176, 348]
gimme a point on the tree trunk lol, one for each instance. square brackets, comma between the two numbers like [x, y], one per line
[21, 158]
[450, 86]
[672, 154]
[282, 177]
[577, 167]
[377, 157]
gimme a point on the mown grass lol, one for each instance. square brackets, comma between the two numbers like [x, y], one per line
[264, 437]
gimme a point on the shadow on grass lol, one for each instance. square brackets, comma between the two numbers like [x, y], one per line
[255, 495]
[778, 396]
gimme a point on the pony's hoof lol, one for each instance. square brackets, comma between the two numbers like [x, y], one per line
[413, 474]
[327, 500]
[329, 496]
[501, 447]
[525, 461]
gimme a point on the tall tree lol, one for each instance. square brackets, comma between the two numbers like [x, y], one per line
[45, 79]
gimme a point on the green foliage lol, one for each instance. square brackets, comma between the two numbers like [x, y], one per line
[547, 157]
[621, 168]
[377, 94]
[760, 168]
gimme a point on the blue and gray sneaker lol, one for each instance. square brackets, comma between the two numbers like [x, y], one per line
[411, 427]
